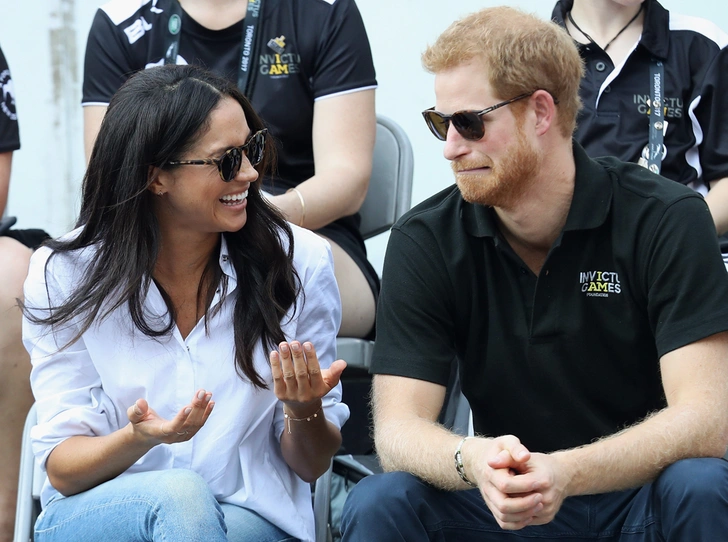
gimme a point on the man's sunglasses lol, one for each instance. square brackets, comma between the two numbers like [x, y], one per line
[469, 124]
[229, 163]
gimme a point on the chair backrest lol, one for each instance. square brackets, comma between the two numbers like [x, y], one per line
[390, 186]
[30, 483]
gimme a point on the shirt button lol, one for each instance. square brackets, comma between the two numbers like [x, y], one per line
[607, 89]
[600, 66]
[523, 271]
[224, 257]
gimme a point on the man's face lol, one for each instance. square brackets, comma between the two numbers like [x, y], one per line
[499, 168]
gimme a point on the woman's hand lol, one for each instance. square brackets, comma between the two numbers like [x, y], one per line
[149, 426]
[298, 380]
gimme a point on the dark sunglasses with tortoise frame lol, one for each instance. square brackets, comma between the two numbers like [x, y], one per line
[228, 165]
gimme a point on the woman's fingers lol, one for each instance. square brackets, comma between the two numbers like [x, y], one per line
[297, 375]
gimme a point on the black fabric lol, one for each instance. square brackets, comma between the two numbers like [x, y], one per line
[9, 133]
[32, 238]
[324, 51]
[615, 120]
[573, 354]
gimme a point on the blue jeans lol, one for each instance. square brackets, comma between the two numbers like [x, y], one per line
[170, 505]
[687, 502]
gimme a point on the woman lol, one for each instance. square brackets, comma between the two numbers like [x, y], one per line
[177, 280]
[310, 77]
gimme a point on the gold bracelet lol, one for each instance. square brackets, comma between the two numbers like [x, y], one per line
[306, 419]
[303, 204]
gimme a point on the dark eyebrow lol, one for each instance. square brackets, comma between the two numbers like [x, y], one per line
[219, 151]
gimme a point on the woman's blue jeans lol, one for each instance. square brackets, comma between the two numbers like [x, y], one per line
[687, 502]
[171, 505]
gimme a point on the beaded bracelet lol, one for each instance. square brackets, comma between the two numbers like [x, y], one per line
[306, 419]
[459, 463]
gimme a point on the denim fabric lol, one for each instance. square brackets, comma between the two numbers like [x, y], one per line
[170, 505]
[687, 502]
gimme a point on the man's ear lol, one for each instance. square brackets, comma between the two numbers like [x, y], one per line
[545, 110]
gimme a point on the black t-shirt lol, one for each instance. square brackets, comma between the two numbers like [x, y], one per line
[310, 49]
[9, 134]
[571, 355]
[615, 118]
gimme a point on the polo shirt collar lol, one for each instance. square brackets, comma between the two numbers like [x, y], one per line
[655, 32]
[590, 203]
[592, 197]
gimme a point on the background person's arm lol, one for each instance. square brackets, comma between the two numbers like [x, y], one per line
[343, 134]
[6, 160]
[717, 200]
[92, 117]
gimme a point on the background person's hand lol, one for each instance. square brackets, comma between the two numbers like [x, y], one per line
[298, 380]
[185, 425]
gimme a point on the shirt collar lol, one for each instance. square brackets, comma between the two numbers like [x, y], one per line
[589, 208]
[655, 32]
[226, 265]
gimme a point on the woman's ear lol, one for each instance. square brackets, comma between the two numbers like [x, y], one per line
[156, 181]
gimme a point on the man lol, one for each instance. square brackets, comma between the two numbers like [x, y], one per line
[589, 325]
[628, 44]
[15, 395]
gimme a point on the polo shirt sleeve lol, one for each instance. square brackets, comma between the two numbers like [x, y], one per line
[107, 63]
[415, 319]
[344, 59]
[686, 279]
[9, 134]
[67, 387]
[711, 114]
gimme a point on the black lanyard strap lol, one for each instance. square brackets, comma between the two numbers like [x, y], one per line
[248, 47]
[657, 118]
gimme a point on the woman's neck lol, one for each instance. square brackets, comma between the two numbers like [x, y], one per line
[215, 14]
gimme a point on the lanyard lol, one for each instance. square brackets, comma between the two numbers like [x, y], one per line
[248, 45]
[657, 120]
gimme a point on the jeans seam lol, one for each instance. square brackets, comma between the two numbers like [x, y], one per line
[86, 511]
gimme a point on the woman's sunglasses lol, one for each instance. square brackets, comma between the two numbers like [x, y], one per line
[469, 124]
[229, 163]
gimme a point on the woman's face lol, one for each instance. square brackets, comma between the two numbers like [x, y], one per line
[195, 198]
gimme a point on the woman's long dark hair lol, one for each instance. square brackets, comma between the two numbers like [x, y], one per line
[154, 118]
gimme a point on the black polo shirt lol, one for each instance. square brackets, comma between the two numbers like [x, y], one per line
[615, 121]
[573, 354]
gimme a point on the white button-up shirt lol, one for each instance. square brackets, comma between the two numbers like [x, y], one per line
[86, 388]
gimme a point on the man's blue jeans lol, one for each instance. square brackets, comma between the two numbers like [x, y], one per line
[173, 505]
[688, 502]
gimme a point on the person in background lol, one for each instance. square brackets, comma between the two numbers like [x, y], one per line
[15, 249]
[180, 290]
[588, 322]
[635, 53]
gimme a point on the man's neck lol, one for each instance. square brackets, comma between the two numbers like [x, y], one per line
[536, 222]
[215, 14]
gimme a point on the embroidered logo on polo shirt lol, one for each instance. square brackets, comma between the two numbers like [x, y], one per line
[278, 44]
[279, 65]
[7, 104]
[672, 108]
[137, 29]
[600, 283]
